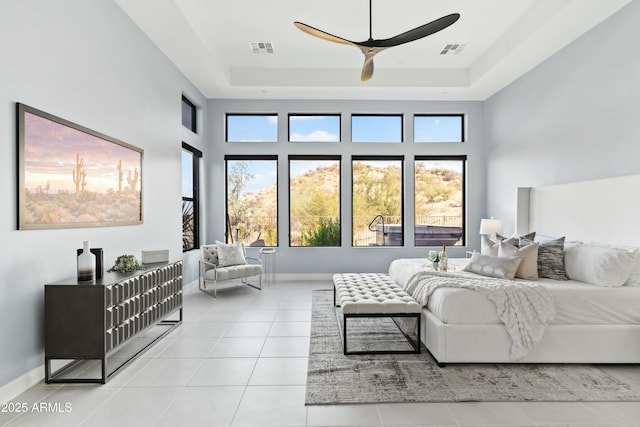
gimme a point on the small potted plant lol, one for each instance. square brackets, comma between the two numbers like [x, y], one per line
[434, 257]
[125, 264]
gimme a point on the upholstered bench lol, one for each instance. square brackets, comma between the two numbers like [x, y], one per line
[374, 295]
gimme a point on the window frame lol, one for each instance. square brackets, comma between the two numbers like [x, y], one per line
[196, 155]
[400, 158]
[226, 126]
[249, 157]
[338, 115]
[401, 115]
[431, 158]
[194, 112]
[462, 127]
[337, 157]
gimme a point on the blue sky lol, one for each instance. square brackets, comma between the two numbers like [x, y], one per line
[376, 128]
[245, 128]
[326, 128]
[320, 128]
[187, 173]
[314, 128]
[300, 167]
[265, 174]
[265, 171]
[437, 129]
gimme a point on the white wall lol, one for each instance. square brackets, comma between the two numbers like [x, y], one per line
[86, 62]
[345, 258]
[572, 118]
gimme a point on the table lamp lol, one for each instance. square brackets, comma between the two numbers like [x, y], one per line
[488, 229]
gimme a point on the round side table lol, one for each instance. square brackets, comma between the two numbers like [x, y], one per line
[268, 258]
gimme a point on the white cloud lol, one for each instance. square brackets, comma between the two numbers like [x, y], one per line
[273, 120]
[293, 118]
[315, 136]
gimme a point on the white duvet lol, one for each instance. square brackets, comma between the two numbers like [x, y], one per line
[577, 303]
[524, 308]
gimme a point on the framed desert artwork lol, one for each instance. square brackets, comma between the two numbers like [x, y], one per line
[70, 176]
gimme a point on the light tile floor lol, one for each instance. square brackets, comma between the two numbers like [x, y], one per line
[241, 360]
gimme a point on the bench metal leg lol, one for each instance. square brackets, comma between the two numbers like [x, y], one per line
[415, 344]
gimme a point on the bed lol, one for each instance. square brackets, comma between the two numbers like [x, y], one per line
[593, 324]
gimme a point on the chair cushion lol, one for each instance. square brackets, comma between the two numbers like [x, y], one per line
[234, 272]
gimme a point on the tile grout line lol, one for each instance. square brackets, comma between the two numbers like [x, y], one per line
[244, 391]
[452, 415]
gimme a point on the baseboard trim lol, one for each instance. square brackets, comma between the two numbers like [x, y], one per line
[21, 384]
[35, 376]
[288, 277]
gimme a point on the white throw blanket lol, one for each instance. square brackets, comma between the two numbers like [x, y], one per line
[525, 308]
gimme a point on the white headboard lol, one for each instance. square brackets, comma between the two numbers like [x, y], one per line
[603, 210]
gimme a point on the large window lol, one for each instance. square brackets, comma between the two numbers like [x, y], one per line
[252, 200]
[377, 201]
[376, 128]
[438, 128]
[190, 197]
[188, 114]
[314, 127]
[251, 128]
[314, 200]
[439, 200]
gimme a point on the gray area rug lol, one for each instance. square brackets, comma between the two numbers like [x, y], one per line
[334, 378]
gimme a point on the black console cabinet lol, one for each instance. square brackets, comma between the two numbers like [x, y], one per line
[122, 313]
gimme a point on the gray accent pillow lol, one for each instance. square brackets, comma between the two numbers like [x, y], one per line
[550, 259]
[490, 247]
[515, 239]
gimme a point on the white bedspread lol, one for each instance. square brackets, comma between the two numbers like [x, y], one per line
[524, 308]
[577, 303]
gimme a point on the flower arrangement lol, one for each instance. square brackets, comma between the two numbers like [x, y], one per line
[434, 256]
[125, 263]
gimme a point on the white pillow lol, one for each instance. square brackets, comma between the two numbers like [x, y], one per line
[230, 254]
[493, 266]
[599, 265]
[528, 268]
[488, 246]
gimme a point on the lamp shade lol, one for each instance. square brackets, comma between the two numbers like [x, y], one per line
[490, 226]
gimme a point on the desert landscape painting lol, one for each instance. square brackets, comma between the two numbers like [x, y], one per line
[71, 176]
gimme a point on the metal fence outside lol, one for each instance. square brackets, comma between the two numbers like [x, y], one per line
[264, 228]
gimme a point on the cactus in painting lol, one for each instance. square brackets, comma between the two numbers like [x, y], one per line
[119, 177]
[79, 175]
[133, 182]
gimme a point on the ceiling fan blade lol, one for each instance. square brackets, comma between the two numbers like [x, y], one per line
[367, 67]
[321, 34]
[418, 32]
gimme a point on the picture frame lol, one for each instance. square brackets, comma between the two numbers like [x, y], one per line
[70, 176]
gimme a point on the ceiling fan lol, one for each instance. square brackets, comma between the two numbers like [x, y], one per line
[371, 47]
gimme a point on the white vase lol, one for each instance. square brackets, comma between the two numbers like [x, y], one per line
[436, 265]
[86, 264]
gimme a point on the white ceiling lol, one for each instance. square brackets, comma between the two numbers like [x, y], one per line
[209, 41]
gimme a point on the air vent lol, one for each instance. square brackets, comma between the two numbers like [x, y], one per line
[454, 48]
[261, 47]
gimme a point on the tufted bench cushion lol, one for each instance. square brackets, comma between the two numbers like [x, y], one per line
[372, 293]
[362, 295]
